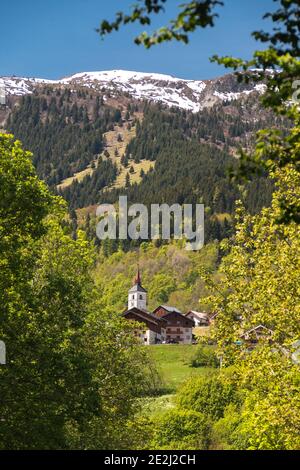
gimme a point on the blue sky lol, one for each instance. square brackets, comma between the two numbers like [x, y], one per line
[56, 38]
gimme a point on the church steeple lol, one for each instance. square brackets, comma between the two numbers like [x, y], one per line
[138, 277]
[137, 295]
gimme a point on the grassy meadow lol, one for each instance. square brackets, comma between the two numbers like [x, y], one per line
[173, 363]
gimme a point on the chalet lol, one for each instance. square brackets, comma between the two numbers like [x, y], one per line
[199, 318]
[254, 335]
[179, 327]
[152, 330]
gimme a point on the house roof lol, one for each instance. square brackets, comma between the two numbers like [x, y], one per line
[200, 315]
[144, 315]
[169, 308]
[255, 328]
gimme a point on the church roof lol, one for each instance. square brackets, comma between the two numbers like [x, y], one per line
[137, 288]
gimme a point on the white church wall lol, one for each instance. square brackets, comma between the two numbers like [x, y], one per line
[137, 300]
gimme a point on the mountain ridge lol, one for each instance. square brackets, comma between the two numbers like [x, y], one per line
[190, 95]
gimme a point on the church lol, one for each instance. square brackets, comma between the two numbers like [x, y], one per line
[164, 325]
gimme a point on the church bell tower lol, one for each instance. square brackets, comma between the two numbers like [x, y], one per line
[137, 295]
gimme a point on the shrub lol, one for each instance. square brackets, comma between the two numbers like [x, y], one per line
[182, 430]
[209, 395]
[205, 356]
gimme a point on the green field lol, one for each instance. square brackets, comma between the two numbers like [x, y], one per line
[173, 363]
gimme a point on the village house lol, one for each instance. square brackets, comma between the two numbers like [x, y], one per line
[164, 325]
[254, 335]
[199, 318]
[179, 327]
[152, 330]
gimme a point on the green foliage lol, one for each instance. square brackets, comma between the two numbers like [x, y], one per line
[259, 285]
[226, 434]
[122, 372]
[253, 406]
[43, 383]
[208, 394]
[67, 382]
[25, 201]
[205, 356]
[268, 417]
[180, 429]
[261, 272]
[162, 286]
[270, 414]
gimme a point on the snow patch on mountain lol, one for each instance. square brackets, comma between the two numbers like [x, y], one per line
[20, 86]
[230, 96]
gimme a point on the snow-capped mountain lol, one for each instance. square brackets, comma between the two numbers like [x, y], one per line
[192, 95]
[149, 86]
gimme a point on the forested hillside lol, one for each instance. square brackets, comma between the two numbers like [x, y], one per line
[193, 156]
[160, 154]
[64, 129]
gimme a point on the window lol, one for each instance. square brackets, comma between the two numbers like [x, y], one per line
[141, 297]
